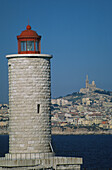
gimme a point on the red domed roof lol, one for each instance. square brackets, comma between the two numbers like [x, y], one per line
[29, 48]
[28, 33]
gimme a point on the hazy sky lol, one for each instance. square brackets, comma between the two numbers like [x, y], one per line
[78, 33]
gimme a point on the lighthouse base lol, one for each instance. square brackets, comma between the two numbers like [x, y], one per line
[53, 163]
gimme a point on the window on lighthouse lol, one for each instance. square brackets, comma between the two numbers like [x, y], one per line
[36, 44]
[23, 45]
[38, 108]
[30, 45]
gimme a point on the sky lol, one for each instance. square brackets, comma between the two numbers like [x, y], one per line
[78, 33]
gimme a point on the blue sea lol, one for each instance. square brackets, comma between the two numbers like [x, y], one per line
[96, 150]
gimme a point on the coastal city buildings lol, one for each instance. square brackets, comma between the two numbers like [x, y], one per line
[87, 112]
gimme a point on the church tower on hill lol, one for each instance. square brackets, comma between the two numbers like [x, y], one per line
[89, 87]
[87, 82]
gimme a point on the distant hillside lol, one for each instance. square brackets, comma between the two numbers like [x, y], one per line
[83, 113]
[103, 92]
[74, 96]
[77, 96]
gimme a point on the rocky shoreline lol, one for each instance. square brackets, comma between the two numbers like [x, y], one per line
[79, 132]
[4, 132]
[76, 132]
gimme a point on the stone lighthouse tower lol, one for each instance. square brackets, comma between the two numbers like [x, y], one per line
[29, 109]
[29, 98]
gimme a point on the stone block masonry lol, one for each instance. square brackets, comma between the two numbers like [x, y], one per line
[52, 163]
[29, 101]
[29, 122]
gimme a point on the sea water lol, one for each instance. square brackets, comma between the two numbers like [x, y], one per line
[96, 150]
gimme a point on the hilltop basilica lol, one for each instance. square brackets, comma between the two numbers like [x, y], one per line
[89, 87]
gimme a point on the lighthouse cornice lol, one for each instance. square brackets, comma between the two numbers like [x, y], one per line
[29, 56]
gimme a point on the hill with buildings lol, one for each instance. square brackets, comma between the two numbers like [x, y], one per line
[86, 112]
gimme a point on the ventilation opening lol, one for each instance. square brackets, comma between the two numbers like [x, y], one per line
[38, 108]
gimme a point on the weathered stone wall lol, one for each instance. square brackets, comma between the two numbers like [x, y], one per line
[29, 110]
[50, 163]
[29, 104]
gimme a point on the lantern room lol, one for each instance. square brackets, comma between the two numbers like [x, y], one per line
[29, 42]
